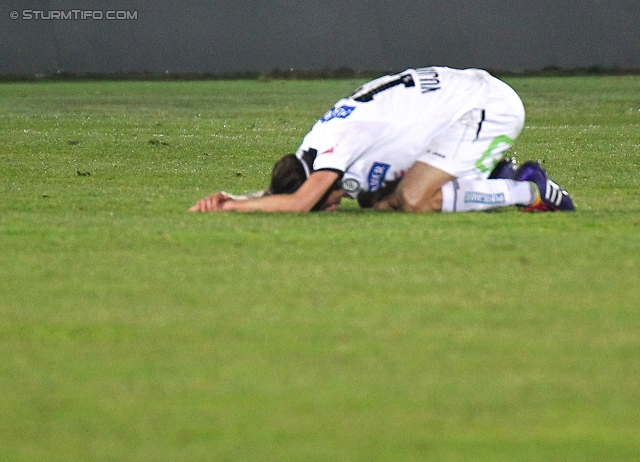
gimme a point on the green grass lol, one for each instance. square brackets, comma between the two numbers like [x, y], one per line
[133, 330]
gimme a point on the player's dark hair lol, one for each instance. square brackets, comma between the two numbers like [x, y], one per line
[288, 174]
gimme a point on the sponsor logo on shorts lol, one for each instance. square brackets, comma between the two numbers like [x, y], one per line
[341, 112]
[435, 153]
[350, 185]
[482, 198]
[376, 175]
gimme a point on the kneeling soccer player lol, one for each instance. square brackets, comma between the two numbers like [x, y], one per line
[428, 139]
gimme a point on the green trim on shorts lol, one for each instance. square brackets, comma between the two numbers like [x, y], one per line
[492, 153]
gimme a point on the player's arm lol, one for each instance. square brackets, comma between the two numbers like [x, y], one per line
[303, 200]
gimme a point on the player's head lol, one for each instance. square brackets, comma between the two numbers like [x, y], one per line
[287, 175]
[290, 172]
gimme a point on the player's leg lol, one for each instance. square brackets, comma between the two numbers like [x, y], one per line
[502, 122]
[452, 174]
[468, 149]
[426, 188]
[467, 194]
[419, 190]
[473, 146]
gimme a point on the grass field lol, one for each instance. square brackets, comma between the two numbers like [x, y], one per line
[133, 330]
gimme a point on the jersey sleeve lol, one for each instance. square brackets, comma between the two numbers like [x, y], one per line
[337, 143]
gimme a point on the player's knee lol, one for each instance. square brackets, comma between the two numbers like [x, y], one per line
[420, 208]
[419, 204]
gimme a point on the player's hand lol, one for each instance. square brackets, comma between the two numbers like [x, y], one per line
[212, 203]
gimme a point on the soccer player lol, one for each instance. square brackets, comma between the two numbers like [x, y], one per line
[422, 140]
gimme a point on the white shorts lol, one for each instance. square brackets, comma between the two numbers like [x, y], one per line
[473, 145]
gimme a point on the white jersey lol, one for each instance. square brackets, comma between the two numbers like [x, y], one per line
[377, 133]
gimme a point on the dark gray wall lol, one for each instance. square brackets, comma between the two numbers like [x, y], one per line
[198, 36]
